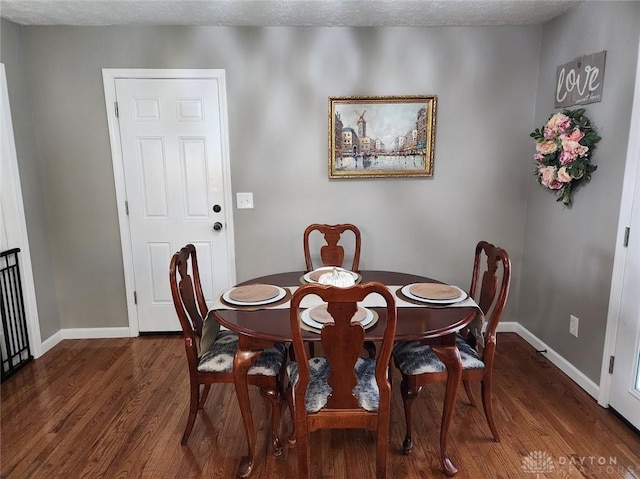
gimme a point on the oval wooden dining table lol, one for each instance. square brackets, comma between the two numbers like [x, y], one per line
[260, 328]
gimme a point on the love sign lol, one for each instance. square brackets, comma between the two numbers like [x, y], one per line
[580, 81]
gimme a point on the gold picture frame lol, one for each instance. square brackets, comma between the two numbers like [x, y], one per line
[381, 136]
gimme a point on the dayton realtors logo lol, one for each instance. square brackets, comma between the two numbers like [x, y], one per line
[537, 462]
[541, 463]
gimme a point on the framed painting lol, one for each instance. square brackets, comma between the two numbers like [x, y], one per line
[376, 136]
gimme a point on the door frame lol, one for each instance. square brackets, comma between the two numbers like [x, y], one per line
[10, 167]
[109, 76]
[628, 194]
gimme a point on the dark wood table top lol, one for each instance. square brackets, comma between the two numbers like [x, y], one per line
[421, 322]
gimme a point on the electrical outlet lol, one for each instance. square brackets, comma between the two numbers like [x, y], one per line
[573, 325]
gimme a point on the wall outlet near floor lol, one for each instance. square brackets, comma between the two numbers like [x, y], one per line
[573, 325]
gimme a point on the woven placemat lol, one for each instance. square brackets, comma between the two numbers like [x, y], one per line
[322, 316]
[406, 298]
[315, 275]
[305, 327]
[252, 293]
[435, 291]
[256, 307]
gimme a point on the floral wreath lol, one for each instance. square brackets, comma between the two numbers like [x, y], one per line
[563, 152]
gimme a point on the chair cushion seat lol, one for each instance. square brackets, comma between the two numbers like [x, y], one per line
[318, 390]
[414, 358]
[219, 357]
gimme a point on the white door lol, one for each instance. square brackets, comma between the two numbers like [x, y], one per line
[173, 141]
[625, 381]
[624, 391]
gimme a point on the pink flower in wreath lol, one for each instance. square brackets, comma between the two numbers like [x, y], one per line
[563, 175]
[576, 135]
[538, 157]
[567, 157]
[547, 147]
[574, 147]
[559, 123]
[547, 175]
[548, 132]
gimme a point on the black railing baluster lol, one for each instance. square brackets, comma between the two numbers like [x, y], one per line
[14, 320]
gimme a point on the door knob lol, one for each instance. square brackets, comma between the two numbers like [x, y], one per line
[217, 226]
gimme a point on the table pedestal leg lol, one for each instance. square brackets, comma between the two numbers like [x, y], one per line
[450, 356]
[242, 361]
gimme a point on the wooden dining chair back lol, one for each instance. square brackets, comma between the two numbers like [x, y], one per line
[490, 292]
[420, 365]
[210, 350]
[341, 390]
[332, 253]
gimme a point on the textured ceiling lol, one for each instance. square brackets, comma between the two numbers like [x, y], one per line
[283, 12]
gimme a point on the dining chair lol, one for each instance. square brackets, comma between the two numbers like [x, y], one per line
[332, 253]
[419, 364]
[210, 350]
[340, 390]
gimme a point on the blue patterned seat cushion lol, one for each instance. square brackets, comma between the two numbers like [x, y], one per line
[415, 358]
[318, 390]
[219, 357]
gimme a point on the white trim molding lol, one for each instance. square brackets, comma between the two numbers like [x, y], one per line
[15, 208]
[84, 333]
[620, 256]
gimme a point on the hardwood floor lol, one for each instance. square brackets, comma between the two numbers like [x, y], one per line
[116, 408]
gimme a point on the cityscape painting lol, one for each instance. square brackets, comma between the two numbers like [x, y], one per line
[381, 136]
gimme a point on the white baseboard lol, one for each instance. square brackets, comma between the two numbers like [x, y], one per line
[565, 366]
[84, 333]
[508, 327]
[96, 333]
[50, 342]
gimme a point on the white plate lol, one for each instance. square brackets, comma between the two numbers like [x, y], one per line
[327, 269]
[408, 294]
[309, 321]
[281, 294]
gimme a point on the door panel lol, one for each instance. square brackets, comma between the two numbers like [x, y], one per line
[153, 177]
[172, 153]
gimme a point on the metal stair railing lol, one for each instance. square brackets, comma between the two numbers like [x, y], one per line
[14, 343]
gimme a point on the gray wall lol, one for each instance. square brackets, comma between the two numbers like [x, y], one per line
[568, 252]
[13, 57]
[278, 84]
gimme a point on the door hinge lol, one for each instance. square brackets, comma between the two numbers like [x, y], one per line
[115, 108]
[135, 297]
[126, 207]
[626, 237]
[611, 361]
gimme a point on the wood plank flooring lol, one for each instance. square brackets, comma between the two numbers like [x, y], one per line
[116, 408]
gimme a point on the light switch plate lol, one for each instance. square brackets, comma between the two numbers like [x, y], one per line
[244, 200]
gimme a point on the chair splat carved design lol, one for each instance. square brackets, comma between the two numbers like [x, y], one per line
[332, 254]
